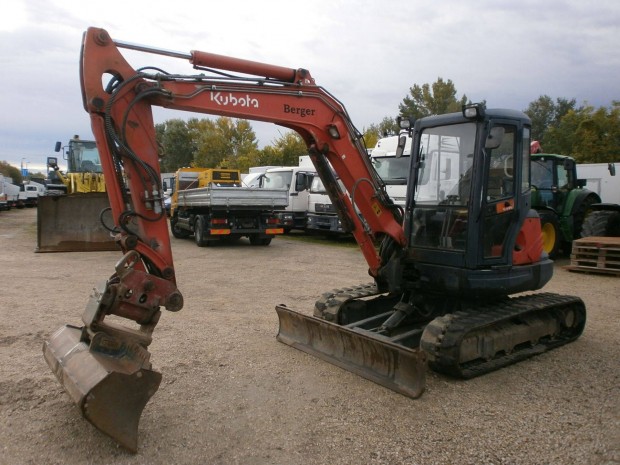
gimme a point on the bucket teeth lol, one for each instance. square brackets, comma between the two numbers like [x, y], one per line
[110, 380]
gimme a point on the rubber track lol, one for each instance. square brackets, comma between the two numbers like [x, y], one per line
[444, 335]
[329, 304]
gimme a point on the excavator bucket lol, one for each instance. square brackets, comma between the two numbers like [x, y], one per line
[367, 354]
[71, 223]
[109, 379]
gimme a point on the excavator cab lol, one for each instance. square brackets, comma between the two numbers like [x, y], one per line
[468, 211]
[472, 241]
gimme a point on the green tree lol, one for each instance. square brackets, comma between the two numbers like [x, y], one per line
[589, 135]
[285, 151]
[290, 146]
[223, 142]
[11, 172]
[175, 144]
[546, 114]
[374, 132]
[431, 99]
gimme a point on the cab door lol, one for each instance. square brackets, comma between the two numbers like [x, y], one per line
[500, 202]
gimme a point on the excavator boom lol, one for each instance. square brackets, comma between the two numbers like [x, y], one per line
[101, 361]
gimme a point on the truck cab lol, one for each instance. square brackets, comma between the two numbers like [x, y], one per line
[297, 180]
[322, 216]
[30, 192]
[393, 170]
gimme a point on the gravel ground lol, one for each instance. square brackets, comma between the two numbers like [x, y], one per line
[231, 394]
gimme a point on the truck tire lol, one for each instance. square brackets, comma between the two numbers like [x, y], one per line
[551, 235]
[176, 231]
[580, 214]
[199, 231]
[601, 223]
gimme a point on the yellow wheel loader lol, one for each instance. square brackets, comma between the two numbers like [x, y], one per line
[71, 217]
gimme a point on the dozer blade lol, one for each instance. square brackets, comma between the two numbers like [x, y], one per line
[109, 380]
[70, 223]
[367, 354]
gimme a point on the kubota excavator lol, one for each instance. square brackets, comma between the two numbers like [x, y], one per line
[443, 275]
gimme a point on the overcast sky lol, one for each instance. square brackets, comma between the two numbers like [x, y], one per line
[366, 53]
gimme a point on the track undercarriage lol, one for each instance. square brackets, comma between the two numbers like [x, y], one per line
[457, 337]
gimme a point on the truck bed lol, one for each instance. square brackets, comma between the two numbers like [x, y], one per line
[249, 198]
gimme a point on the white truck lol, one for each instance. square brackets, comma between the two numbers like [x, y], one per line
[322, 216]
[212, 205]
[9, 194]
[394, 171]
[30, 192]
[296, 180]
[600, 180]
[252, 179]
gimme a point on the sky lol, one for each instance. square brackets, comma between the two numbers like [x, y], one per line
[367, 53]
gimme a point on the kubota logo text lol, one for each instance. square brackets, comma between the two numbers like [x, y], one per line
[232, 101]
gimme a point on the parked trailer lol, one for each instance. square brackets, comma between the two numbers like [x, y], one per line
[600, 180]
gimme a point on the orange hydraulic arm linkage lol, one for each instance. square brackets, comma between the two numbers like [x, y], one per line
[105, 367]
[279, 95]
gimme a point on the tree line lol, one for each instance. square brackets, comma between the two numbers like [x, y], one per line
[589, 134]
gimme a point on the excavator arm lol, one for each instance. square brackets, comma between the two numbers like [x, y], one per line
[105, 366]
[123, 127]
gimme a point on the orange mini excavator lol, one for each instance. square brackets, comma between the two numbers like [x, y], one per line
[444, 268]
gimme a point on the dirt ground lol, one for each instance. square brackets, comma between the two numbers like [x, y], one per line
[232, 394]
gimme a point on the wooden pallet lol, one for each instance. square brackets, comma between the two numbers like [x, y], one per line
[596, 255]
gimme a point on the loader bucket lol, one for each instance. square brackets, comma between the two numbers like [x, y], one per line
[110, 382]
[367, 354]
[70, 223]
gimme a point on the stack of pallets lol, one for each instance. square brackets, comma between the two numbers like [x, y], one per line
[596, 255]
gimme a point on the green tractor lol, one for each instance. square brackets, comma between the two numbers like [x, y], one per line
[560, 199]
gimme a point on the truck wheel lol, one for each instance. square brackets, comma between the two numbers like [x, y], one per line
[551, 235]
[176, 231]
[579, 215]
[601, 223]
[199, 231]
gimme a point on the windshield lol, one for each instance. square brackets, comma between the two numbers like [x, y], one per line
[391, 169]
[542, 173]
[446, 159]
[84, 157]
[444, 182]
[277, 180]
[317, 186]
